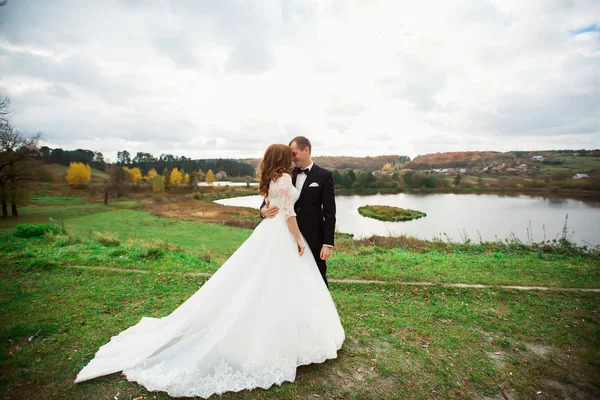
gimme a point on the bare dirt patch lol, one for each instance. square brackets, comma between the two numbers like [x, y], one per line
[201, 211]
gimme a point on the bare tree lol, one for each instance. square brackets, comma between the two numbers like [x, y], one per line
[5, 110]
[18, 167]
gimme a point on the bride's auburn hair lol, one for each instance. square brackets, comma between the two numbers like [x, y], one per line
[276, 162]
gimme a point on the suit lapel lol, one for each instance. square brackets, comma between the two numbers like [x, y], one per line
[294, 176]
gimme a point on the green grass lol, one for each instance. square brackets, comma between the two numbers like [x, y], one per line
[414, 343]
[574, 164]
[503, 267]
[134, 224]
[404, 342]
[57, 199]
[84, 219]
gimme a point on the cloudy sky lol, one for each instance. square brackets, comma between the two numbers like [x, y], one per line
[208, 78]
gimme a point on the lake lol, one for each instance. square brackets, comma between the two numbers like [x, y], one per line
[467, 215]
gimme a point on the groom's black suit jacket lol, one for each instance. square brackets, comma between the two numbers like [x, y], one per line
[315, 212]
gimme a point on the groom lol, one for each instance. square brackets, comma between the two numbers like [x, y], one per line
[315, 208]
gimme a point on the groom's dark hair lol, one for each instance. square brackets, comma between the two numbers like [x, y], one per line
[302, 143]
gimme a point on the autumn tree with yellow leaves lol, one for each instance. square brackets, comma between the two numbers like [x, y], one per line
[79, 174]
[133, 175]
[175, 177]
[210, 177]
[150, 175]
[157, 184]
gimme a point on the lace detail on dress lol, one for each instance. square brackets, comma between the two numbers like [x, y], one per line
[282, 191]
[179, 382]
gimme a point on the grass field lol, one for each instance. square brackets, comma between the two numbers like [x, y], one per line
[575, 164]
[402, 341]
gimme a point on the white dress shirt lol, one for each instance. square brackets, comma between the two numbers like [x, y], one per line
[301, 177]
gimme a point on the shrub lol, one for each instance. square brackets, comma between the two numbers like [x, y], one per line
[108, 239]
[61, 240]
[36, 230]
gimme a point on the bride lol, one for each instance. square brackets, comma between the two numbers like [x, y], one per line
[265, 312]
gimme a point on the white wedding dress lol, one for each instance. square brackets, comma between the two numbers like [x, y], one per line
[262, 314]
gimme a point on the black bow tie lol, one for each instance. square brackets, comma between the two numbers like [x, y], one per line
[305, 170]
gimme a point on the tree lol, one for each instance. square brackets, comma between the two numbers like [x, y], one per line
[337, 177]
[210, 177]
[347, 180]
[79, 174]
[387, 167]
[123, 157]
[408, 177]
[365, 179]
[5, 110]
[176, 177]
[133, 175]
[157, 184]
[115, 182]
[352, 176]
[457, 180]
[151, 174]
[186, 179]
[18, 167]
[166, 176]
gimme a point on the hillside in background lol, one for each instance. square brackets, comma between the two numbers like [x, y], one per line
[563, 160]
[346, 162]
[568, 161]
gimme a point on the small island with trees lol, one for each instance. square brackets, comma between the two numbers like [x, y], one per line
[389, 213]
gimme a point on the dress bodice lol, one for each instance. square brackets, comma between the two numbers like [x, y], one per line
[283, 194]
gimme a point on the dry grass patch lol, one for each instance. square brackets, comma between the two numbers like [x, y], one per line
[200, 211]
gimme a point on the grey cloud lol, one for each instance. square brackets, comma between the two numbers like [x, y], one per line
[250, 57]
[251, 30]
[24, 22]
[349, 109]
[58, 91]
[340, 126]
[178, 49]
[417, 82]
[77, 70]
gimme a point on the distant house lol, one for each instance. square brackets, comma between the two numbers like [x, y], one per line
[495, 171]
[405, 170]
[581, 176]
[512, 170]
[462, 170]
[436, 170]
[537, 158]
[522, 167]
[221, 175]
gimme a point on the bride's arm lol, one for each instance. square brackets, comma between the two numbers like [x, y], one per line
[284, 191]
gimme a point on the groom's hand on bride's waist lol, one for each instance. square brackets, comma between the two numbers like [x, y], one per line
[269, 212]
